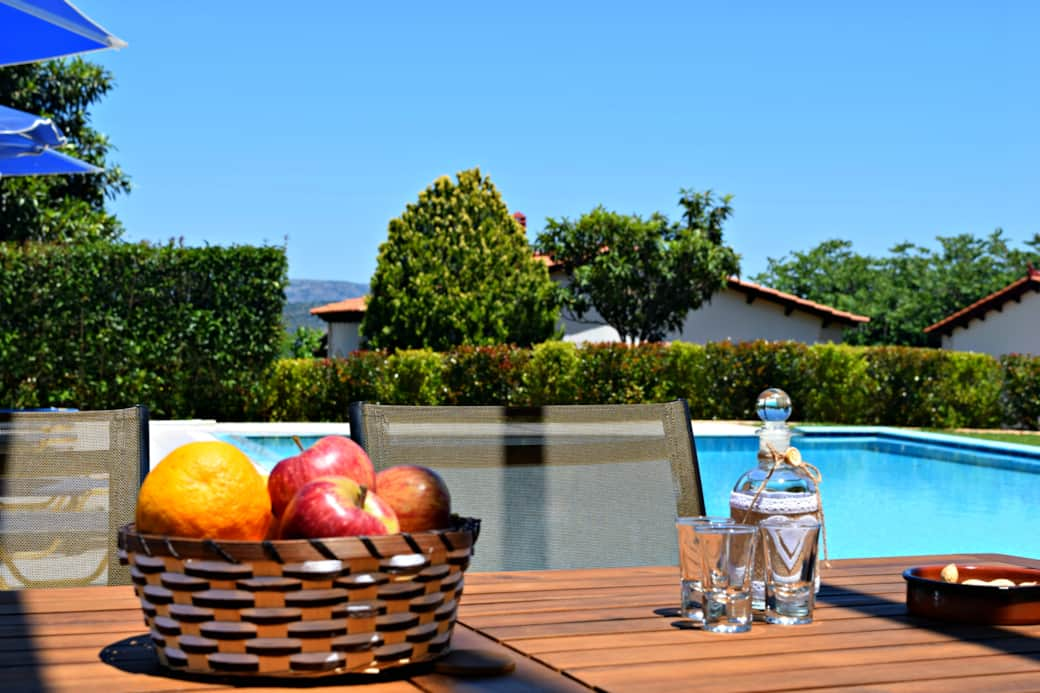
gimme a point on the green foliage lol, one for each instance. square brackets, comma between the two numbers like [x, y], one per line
[834, 383]
[294, 390]
[304, 342]
[642, 276]
[187, 331]
[1021, 392]
[456, 269]
[738, 372]
[414, 377]
[620, 373]
[686, 375]
[479, 375]
[551, 374]
[899, 386]
[906, 291]
[61, 208]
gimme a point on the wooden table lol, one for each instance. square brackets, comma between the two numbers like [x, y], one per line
[609, 629]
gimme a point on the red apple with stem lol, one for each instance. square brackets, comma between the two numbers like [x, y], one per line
[335, 506]
[329, 456]
[418, 496]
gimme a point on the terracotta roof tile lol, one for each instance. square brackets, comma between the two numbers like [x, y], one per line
[347, 307]
[995, 301]
[791, 301]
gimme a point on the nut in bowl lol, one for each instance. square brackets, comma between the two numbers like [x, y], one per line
[988, 594]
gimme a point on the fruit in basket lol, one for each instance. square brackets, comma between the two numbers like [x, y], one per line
[418, 495]
[205, 489]
[329, 456]
[336, 506]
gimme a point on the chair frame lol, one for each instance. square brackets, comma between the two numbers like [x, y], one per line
[68, 504]
[675, 416]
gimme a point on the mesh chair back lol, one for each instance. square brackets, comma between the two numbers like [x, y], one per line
[555, 487]
[68, 481]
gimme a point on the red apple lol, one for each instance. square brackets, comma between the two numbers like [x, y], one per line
[418, 495]
[375, 505]
[330, 456]
[335, 506]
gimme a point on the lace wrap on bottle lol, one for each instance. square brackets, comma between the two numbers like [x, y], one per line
[769, 503]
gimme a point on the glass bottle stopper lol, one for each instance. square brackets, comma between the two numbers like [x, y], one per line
[773, 405]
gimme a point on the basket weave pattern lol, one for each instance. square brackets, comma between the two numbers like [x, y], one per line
[299, 607]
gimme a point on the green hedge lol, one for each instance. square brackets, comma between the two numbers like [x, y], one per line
[195, 332]
[898, 386]
[189, 332]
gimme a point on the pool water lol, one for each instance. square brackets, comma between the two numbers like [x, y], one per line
[267, 451]
[883, 495]
[894, 497]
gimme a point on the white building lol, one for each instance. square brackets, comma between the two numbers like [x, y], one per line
[1005, 322]
[743, 311]
[344, 318]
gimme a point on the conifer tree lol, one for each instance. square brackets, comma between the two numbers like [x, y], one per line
[457, 269]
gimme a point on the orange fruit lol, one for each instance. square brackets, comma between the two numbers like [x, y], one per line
[205, 489]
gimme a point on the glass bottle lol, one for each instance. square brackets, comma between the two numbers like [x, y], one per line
[773, 486]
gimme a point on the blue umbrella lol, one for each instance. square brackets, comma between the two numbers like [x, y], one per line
[26, 147]
[33, 30]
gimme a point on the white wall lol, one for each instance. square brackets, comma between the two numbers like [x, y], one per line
[1015, 329]
[727, 316]
[343, 338]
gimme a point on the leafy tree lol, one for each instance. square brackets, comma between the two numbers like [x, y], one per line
[303, 343]
[906, 291]
[642, 275]
[61, 208]
[456, 269]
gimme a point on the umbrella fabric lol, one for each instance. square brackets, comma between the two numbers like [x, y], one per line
[32, 30]
[26, 143]
[43, 163]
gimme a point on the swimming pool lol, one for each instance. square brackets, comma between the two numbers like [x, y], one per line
[890, 495]
[884, 493]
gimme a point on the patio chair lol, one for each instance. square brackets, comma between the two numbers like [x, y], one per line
[562, 486]
[68, 481]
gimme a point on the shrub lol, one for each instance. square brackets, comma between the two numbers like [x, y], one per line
[619, 373]
[550, 376]
[294, 390]
[968, 391]
[828, 383]
[413, 376]
[1020, 398]
[835, 386]
[737, 373]
[485, 375]
[686, 375]
[189, 332]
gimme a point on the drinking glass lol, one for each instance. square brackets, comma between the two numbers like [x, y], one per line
[727, 551]
[789, 547]
[690, 564]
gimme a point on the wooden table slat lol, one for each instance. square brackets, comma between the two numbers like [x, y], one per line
[615, 629]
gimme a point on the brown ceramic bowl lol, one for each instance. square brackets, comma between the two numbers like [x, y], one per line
[929, 596]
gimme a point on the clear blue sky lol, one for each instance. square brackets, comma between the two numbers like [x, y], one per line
[314, 123]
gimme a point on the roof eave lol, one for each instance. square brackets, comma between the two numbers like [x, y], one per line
[1011, 292]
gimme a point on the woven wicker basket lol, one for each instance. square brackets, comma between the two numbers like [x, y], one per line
[300, 607]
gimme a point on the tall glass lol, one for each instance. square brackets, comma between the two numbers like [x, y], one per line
[690, 564]
[789, 549]
[727, 552]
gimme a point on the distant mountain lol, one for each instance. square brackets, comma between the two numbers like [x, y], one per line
[303, 294]
[320, 291]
